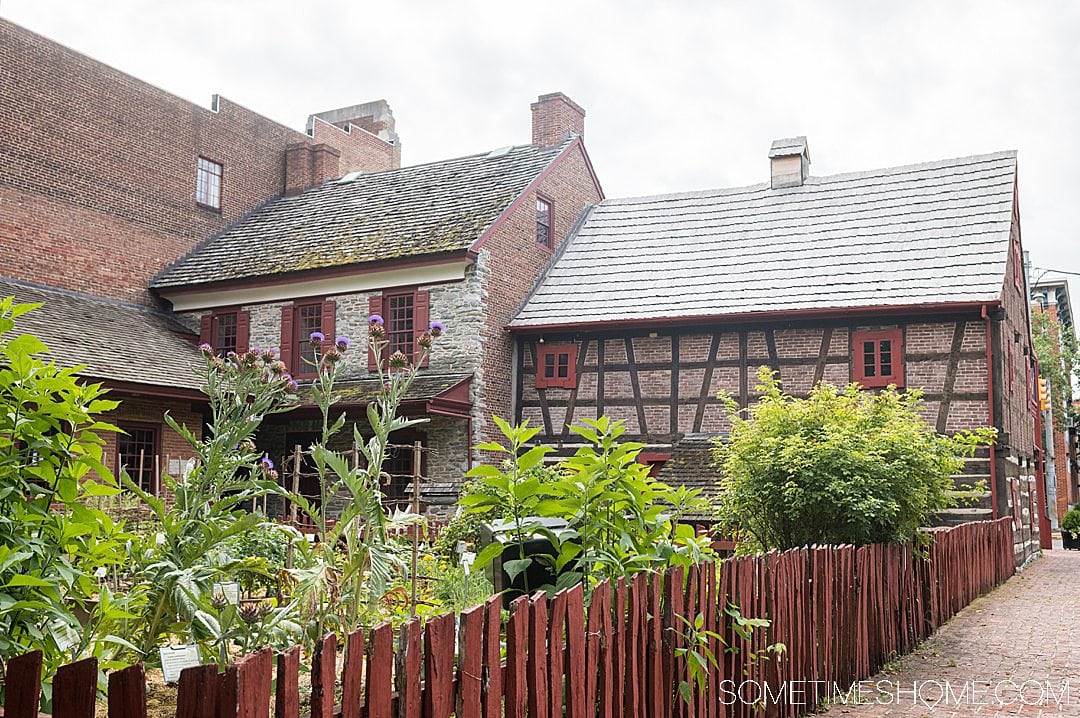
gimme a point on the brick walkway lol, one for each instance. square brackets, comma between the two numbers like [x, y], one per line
[1012, 642]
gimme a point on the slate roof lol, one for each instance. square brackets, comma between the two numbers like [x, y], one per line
[412, 211]
[117, 341]
[691, 465]
[928, 233]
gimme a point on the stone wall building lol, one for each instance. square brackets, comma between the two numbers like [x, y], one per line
[460, 241]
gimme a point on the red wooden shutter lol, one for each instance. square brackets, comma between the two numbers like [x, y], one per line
[243, 327]
[287, 336]
[421, 311]
[206, 328]
[374, 307]
[329, 322]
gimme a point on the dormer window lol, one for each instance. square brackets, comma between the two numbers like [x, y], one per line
[544, 222]
[208, 183]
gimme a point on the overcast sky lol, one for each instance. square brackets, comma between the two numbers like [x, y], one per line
[679, 96]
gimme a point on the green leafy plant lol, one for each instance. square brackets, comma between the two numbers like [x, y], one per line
[1071, 522]
[176, 567]
[841, 466]
[618, 519]
[699, 656]
[355, 560]
[54, 544]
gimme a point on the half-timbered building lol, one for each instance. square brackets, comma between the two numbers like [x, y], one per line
[908, 276]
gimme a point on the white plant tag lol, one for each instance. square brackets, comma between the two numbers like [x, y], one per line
[175, 659]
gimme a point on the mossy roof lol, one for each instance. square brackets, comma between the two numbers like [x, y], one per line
[428, 209]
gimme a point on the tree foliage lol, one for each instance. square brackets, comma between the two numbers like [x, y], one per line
[1059, 360]
[54, 543]
[841, 466]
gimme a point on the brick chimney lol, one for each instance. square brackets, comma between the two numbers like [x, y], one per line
[307, 165]
[790, 162]
[554, 116]
[375, 117]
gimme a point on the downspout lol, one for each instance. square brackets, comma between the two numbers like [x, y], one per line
[990, 409]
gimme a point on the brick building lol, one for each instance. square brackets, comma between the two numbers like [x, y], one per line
[105, 179]
[908, 276]
[1051, 297]
[461, 241]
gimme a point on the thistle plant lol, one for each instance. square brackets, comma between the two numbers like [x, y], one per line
[354, 560]
[176, 568]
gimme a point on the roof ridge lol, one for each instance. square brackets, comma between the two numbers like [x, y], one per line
[816, 179]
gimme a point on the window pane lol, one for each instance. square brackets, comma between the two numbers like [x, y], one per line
[135, 454]
[564, 366]
[308, 320]
[869, 360]
[208, 183]
[549, 366]
[399, 324]
[886, 357]
[224, 334]
[543, 222]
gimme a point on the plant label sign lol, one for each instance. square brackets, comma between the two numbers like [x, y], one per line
[228, 590]
[65, 636]
[174, 659]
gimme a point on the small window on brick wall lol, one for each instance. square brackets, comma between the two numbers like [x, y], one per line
[545, 221]
[556, 366]
[878, 357]
[137, 451]
[208, 183]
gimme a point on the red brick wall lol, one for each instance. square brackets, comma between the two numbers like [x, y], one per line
[516, 261]
[97, 168]
[150, 411]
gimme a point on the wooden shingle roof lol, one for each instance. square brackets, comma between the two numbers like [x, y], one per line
[427, 209]
[930, 233]
[116, 341]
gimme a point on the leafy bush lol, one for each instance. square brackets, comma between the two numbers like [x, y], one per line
[52, 540]
[619, 520]
[842, 466]
[1071, 522]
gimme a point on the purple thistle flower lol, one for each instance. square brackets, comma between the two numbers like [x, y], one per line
[387, 386]
[317, 338]
[375, 319]
[267, 463]
[436, 329]
[206, 349]
[342, 343]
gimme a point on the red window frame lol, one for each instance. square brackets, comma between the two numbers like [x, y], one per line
[556, 366]
[219, 335]
[399, 317]
[870, 375]
[208, 180]
[302, 311]
[403, 337]
[545, 222]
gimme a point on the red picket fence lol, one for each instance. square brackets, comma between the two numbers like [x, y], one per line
[841, 612]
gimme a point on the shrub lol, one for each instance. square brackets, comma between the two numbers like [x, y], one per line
[841, 466]
[52, 539]
[1071, 522]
